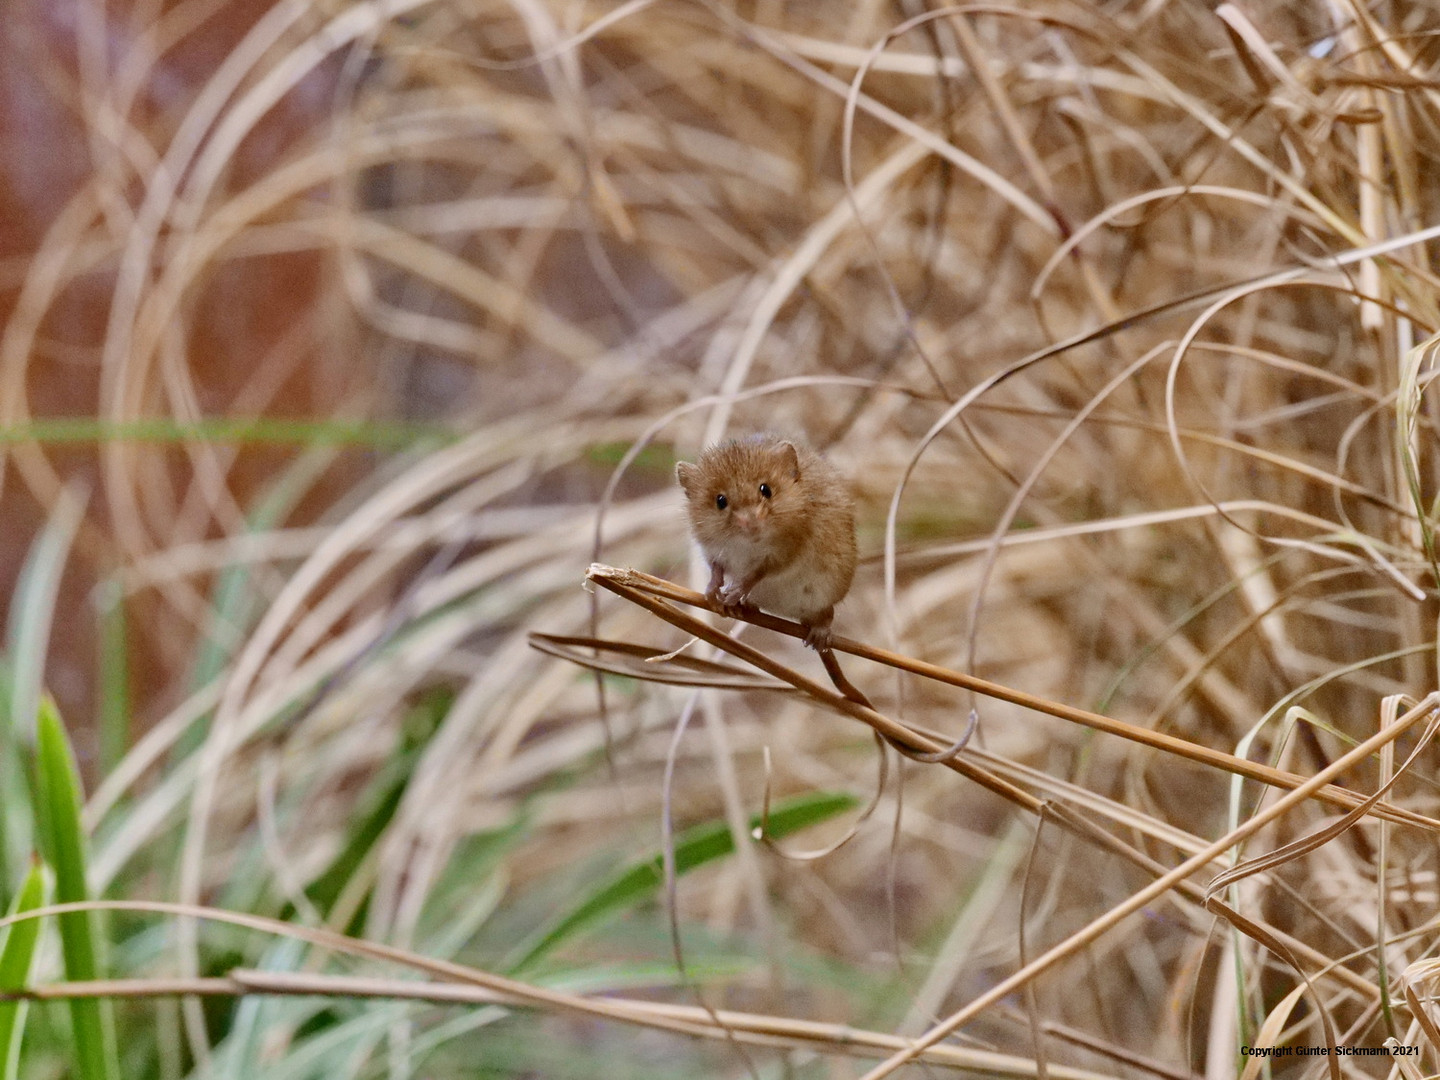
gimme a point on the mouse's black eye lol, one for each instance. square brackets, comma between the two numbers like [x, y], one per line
[721, 502]
[765, 491]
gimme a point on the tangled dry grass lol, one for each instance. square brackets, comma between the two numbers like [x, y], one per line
[375, 324]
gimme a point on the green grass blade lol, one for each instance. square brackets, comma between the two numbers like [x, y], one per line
[58, 813]
[32, 612]
[15, 959]
[258, 430]
[32, 609]
[694, 847]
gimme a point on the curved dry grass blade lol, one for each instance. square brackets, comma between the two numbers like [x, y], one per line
[630, 660]
[1407, 1068]
[770, 838]
[1274, 1024]
[1305, 844]
[1422, 971]
[1255, 931]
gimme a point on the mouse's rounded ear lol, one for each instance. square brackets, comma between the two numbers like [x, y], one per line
[789, 459]
[688, 475]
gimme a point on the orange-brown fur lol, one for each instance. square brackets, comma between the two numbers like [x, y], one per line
[792, 554]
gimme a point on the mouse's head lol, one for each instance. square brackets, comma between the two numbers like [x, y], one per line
[748, 490]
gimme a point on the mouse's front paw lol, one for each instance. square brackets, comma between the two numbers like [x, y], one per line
[730, 594]
[733, 598]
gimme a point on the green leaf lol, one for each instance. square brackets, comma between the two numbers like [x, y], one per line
[15, 960]
[694, 847]
[57, 790]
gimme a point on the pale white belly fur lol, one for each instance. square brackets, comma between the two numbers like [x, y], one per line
[798, 592]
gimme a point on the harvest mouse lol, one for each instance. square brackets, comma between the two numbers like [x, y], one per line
[777, 523]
